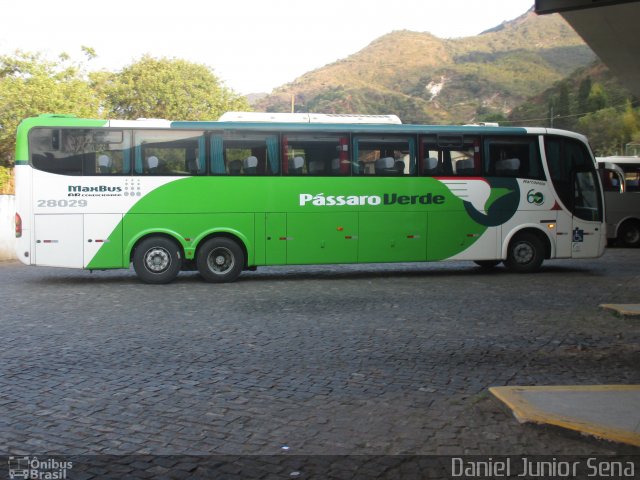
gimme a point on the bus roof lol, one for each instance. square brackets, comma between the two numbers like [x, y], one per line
[352, 128]
[336, 123]
[618, 159]
[309, 118]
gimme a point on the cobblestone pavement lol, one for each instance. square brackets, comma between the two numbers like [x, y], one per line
[332, 360]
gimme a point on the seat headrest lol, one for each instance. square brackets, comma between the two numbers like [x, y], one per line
[297, 162]
[152, 161]
[466, 164]
[316, 166]
[430, 163]
[385, 163]
[105, 161]
[508, 165]
[251, 162]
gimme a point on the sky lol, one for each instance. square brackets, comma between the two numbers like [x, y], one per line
[251, 45]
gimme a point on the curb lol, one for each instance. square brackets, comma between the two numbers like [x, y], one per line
[549, 404]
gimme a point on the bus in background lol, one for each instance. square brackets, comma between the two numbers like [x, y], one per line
[255, 189]
[620, 178]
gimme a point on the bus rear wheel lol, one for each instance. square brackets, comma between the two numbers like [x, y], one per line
[629, 234]
[220, 260]
[525, 254]
[157, 260]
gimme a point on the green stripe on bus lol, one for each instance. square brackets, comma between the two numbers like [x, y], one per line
[425, 223]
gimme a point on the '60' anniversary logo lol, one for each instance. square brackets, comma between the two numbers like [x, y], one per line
[535, 197]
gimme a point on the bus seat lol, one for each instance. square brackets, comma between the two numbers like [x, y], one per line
[296, 165]
[385, 166]
[152, 164]
[335, 166]
[465, 167]
[316, 167]
[430, 166]
[193, 166]
[508, 167]
[235, 167]
[250, 165]
[105, 163]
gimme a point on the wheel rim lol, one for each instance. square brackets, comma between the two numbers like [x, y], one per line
[157, 259]
[632, 236]
[220, 260]
[523, 253]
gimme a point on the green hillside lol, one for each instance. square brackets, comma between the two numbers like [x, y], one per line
[590, 101]
[425, 79]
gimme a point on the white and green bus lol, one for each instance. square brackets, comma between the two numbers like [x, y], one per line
[254, 189]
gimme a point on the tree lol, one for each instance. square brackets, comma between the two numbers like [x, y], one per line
[31, 85]
[605, 130]
[597, 99]
[562, 108]
[166, 88]
[583, 95]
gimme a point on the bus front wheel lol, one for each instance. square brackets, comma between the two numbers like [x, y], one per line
[157, 260]
[220, 260]
[526, 253]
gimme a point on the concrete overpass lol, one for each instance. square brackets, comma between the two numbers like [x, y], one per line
[610, 27]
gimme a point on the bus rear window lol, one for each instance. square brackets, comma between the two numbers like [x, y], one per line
[80, 151]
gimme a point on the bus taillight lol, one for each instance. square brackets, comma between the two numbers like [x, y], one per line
[18, 226]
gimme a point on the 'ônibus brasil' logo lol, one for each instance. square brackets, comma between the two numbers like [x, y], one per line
[322, 200]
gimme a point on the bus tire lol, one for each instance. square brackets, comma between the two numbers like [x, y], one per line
[629, 234]
[525, 253]
[220, 260]
[157, 260]
[487, 264]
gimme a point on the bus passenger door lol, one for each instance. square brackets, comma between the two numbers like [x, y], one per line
[276, 239]
[564, 227]
[322, 238]
[58, 240]
[588, 233]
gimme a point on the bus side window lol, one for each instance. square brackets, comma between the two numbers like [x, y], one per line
[315, 154]
[513, 157]
[384, 156]
[633, 180]
[172, 153]
[245, 154]
[450, 158]
[610, 180]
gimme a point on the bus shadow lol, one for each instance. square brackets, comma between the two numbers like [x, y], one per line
[328, 272]
[364, 273]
